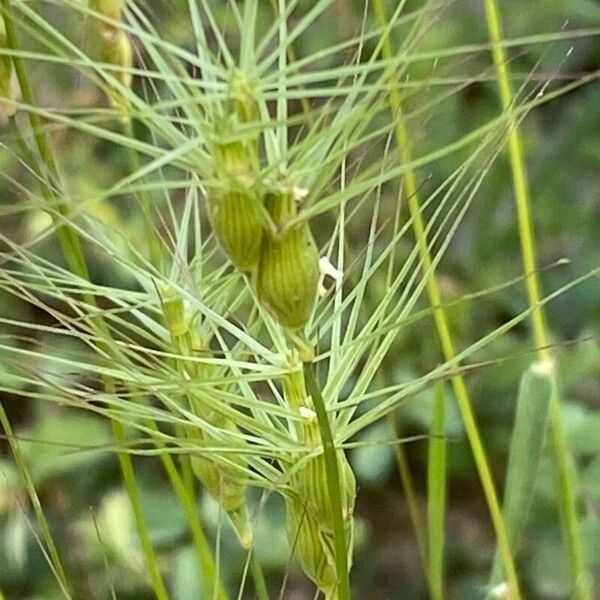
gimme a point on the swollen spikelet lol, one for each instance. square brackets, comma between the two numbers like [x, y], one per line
[223, 480]
[288, 272]
[237, 222]
[235, 200]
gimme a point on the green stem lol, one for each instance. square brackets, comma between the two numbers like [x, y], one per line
[560, 449]
[75, 257]
[260, 585]
[443, 329]
[183, 487]
[436, 494]
[412, 504]
[333, 482]
[136, 505]
[35, 501]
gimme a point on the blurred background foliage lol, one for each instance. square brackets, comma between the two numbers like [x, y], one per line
[81, 491]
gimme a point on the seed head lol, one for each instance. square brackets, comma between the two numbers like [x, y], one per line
[234, 200]
[310, 521]
[311, 484]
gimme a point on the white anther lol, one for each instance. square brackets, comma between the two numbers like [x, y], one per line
[328, 269]
[307, 414]
[299, 193]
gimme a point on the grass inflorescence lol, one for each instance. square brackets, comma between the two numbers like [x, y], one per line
[268, 235]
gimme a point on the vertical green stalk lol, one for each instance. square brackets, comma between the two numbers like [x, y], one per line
[74, 255]
[136, 505]
[35, 501]
[443, 328]
[260, 585]
[333, 482]
[436, 494]
[410, 496]
[562, 456]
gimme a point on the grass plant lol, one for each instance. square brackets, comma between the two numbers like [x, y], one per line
[227, 299]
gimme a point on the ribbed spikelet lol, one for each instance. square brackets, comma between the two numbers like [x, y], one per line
[288, 272]
[309, 545]
[223, 480]
[309, 516]
[237, 222]
[234, 202]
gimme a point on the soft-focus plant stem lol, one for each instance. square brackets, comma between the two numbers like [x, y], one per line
[260, 585]
[35, 501]
[136, 505]
[562, 456]
[436, 494]
[443, 328]
[75, 257]
[333, 482]
[410, 496]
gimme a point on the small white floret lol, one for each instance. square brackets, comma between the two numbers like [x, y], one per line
[500, 591]
[299, 193]
[307, 414]
[544, 367]
[328, 269]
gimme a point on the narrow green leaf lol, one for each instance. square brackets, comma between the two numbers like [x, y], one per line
[526, 443]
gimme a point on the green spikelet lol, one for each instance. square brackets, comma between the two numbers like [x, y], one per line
[109, 8]
[306, 539]
[308, 509]
[237, 222]
[243, 96]
[222, 480]
[312, 487]
[234, 202]
[288, 272]
[310, 522]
